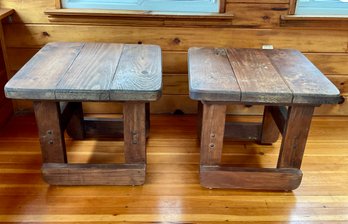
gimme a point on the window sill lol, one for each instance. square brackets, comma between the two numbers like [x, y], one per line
[327, 22]
[125, 17]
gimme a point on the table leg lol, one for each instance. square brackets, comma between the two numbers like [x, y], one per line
[213, 127]
[287, 176]
[295, 136]
[269, 132]
[75, 128]
[134, 132]
[147, 119]
[48, 119]
[199, 119]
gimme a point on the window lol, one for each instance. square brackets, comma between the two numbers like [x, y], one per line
[147, 5]
[322, 7]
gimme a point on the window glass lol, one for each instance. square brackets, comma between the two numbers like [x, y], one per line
[147, 5]
[322, 7]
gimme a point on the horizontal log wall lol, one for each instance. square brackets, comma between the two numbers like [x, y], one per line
[255, 23]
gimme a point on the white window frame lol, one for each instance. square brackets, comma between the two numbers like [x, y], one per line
[203, 6]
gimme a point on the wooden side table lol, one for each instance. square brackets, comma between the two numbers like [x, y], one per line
[284, 81]
[61, 76]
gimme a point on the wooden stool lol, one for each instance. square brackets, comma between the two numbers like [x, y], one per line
[284, 81]
[61, 76]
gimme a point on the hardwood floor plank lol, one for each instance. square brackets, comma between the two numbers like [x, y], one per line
[172, 192]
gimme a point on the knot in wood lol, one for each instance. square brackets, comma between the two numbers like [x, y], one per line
[176, 40]
[45, 34]
[220, 52]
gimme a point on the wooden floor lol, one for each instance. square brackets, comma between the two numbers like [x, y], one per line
[172, 192]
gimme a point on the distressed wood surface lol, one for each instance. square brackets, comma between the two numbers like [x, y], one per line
[40, 76]
[103, 127]
[295, 136]
[75, 126]
[280, 116]
[50, 133]
[134, 132]
[270, 132]
[90, 72]
[209, 70]
[139, 71]
[93, 174]
[262, 76]
[307, 83]
[89, 77]
[212, 135]
[250, 178]
[257, 78]
[248, 131]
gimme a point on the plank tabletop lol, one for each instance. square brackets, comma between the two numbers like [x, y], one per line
[281, 76]
[90, 72]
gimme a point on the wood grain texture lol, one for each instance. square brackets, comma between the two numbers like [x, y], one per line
[51, 135]
[270, 132]
[305, 40]
[103, 127]
[175, 62]
[90, 75]
[90, 72]
[139, 74]
[307, 83]
[93, 174]
[295, 136]
[172, 192]
[258, 80]
[262, 76]
[134, 132]
[256, 15]
[209, 70]
[212, 134]
[39, 77]
[292, 7]
[250, 178]
[248, 131]
[247, 30]
[75, 127]
[280, 116]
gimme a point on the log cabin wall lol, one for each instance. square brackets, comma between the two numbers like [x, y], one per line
[255, 23]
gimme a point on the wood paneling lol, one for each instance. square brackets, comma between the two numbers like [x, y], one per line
[175, 62]
[255, 23]
[257, 15]
[29, 11]
[341, 82]
[173, 38]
